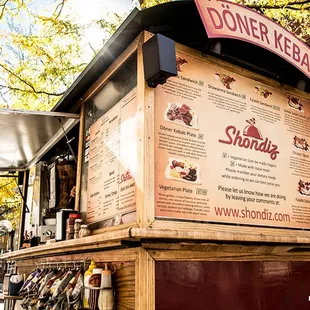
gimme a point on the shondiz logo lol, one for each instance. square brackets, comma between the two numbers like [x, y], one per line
[251, 139]
[125, 177]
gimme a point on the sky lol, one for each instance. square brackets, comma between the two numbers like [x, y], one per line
[97, 7]
[97, 10]
[83, 12]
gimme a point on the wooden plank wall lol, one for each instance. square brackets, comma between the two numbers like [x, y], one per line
[122, 261]
[124, 282]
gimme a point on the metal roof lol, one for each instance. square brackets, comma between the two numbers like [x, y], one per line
[26, 136]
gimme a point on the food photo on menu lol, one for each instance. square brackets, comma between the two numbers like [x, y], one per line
[304, 188]
[225, 79]
[180, 62]
[181, 114]
[183, 170]
[301, 143]
[295, 103]
[262, 91]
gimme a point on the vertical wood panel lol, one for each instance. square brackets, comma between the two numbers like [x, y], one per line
[145, 197]
[145, 281]
[80, 159]
[124, 281]
[141, 111]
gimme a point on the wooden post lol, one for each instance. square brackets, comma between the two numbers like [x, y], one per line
[140, 190]
[145, 281]
[80, 159]
[145, 95]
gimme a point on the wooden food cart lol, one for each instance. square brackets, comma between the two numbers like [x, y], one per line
[196, 190]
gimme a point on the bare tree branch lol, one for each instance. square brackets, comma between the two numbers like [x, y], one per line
[3, 8]
[32, 91]
[289, 5]
[60, 7]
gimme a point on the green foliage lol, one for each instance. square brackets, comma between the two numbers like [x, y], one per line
[292, 15]
[41, 58]
[10, 201]
[149, 3]
[111, 22]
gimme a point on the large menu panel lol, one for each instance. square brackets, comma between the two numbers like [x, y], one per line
[113, 162]
[230, 149]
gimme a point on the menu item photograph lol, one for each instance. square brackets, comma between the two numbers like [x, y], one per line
[301, 143]
[262, 91]
[181, 114]
[180, 62]
[225, 79]
[183, 170]
[294, 103]
[304, 188]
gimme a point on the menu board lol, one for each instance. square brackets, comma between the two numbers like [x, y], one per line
[230, 149]
[113, 162]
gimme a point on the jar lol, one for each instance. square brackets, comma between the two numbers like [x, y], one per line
[77, 227]
[70, 225]
[84, 231]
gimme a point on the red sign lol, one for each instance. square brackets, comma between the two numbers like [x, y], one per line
[223, 19]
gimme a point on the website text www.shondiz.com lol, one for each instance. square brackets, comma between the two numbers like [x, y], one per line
[246, 213]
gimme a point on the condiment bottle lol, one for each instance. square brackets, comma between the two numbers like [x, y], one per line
[106, 277]
[94, 282]
[70, 225]
[77, 227]
[88, 273]
[106, 300]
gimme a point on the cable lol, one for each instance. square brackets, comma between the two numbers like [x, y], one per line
[68, 141]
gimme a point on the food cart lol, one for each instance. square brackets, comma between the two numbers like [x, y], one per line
[196, 186]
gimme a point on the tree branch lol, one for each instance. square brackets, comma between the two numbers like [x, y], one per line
[60, 5]
[279, 6]
[28, 84]
[3, 8]
[32, 91]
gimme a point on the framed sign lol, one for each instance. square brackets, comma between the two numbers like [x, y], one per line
[230, 149]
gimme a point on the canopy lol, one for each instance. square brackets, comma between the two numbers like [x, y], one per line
[26, 136]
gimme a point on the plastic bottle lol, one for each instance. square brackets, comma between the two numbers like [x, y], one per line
[106, 278]
[88, 273]
[106, 300]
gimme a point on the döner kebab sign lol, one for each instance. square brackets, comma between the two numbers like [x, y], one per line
[223, 19]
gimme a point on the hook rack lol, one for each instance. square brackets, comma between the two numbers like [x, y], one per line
[65, 263]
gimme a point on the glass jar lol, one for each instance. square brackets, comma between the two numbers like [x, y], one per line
[70, 225]
[77, 228]
[84, 231]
